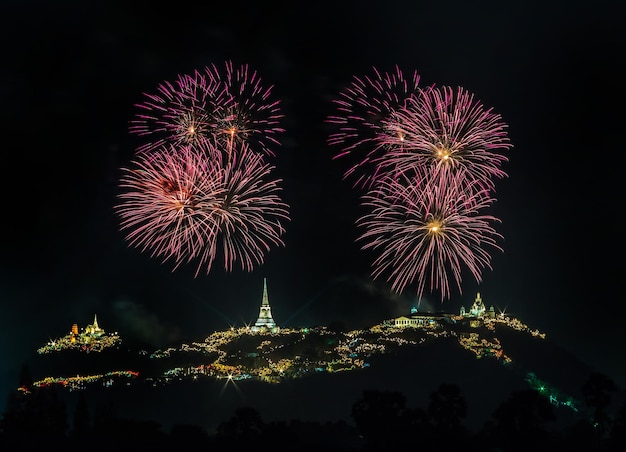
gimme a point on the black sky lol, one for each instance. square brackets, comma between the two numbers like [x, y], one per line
[71, 73]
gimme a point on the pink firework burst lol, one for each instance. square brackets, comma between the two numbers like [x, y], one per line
[181, 113]
[252, 116]
[442, 130]
[362, 109]
[182, 206]
[428, 234]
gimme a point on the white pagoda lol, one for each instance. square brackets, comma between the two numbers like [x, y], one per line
[265, 323]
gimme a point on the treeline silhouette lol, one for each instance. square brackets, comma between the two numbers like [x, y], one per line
[37, 418]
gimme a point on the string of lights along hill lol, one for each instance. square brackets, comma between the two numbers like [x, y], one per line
[259, 352]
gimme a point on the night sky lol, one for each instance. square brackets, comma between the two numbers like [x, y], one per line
[72, 72]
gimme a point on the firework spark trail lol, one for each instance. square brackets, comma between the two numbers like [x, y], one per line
[160, 205]
[230, 104]
[361, 109]
[427, 234]
[183, 206]
[446, 131]
[248, 212]
[180, 113]
[252, 116]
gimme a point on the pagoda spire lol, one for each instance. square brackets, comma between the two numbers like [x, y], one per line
[265, 300]
[265, 322]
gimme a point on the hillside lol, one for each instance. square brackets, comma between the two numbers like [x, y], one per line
[317, 374]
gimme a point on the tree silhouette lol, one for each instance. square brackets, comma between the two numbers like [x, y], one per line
[312, 435]
[25, 379]
[617, 441]
[520, 422]
[183, 436]
[104, 417]
[597, 392]
[580, 436]
[54, 416]
[36, 419]
[81, 423]
[447, 410]
[113, 432]
[383, 419]
[245, 427]
[34, 416]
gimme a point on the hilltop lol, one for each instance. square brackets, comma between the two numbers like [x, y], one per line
[317, 373]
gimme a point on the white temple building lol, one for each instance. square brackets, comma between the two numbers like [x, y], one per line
[478, 309]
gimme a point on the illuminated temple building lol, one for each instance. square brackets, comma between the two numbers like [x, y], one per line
[424, 319]
[265, 323]
[91, 332]
[90, 338]
[478, 309]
